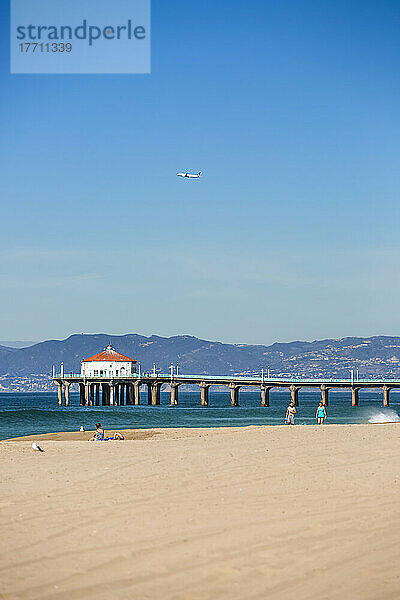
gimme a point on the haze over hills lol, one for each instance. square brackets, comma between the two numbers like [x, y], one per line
[374, 357]
[16, 343]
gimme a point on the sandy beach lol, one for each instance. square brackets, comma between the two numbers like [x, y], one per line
[188, 514]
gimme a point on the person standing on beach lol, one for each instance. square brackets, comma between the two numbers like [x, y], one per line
[320, 415]
[290, 412]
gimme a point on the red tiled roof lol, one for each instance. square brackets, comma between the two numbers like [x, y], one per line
[109, 355]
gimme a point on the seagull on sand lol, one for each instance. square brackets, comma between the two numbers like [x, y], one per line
[36, 447]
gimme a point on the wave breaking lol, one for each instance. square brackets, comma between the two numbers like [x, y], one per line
[387, 415]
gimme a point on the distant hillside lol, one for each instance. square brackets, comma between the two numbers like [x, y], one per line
[16, 344]
[6, 350]
[373, 356]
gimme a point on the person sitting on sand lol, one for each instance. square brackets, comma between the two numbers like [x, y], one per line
[98, 434]
[320, 415]
[290, 412]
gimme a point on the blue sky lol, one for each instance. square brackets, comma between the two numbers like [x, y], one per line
[290, 109]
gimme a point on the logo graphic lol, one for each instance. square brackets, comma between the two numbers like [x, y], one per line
[54, 36]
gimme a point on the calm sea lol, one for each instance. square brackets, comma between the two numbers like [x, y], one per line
[26, 414]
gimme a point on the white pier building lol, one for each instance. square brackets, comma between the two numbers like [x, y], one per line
[108, 363]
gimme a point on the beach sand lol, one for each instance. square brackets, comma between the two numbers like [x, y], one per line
[248, 513]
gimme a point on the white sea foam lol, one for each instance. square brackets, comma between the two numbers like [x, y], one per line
[385, 415]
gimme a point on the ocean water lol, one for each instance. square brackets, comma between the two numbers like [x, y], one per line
[30, 413]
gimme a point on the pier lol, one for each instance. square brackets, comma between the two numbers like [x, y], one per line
[122, 390]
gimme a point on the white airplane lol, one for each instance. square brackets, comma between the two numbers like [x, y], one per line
[189, 175]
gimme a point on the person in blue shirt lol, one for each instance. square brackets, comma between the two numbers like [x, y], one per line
[320, 415]
[99, 436]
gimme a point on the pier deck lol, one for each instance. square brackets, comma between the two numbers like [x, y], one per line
[126, 390]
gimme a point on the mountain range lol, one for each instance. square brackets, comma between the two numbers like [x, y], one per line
[374, 356]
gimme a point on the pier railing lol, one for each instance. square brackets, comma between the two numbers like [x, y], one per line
[233, 378]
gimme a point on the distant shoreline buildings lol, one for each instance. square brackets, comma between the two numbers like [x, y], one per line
[27, 369]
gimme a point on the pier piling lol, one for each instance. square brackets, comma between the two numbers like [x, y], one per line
[155, 394]
[324, 395]
[294, 394]
[66, 384]
[136, 393]
[59, 393]
[234, 394]
[86, 398]
[129, 394]
[204, 393]
[174, 394]
[91, 394]
[149, 386]
[112, 394]
[354, 396]
[265, 395]
[81, 394]
[386, 394]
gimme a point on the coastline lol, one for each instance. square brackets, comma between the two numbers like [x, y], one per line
[140, 434]
[204, 514]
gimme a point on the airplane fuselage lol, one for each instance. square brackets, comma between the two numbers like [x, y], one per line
[189, 175]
